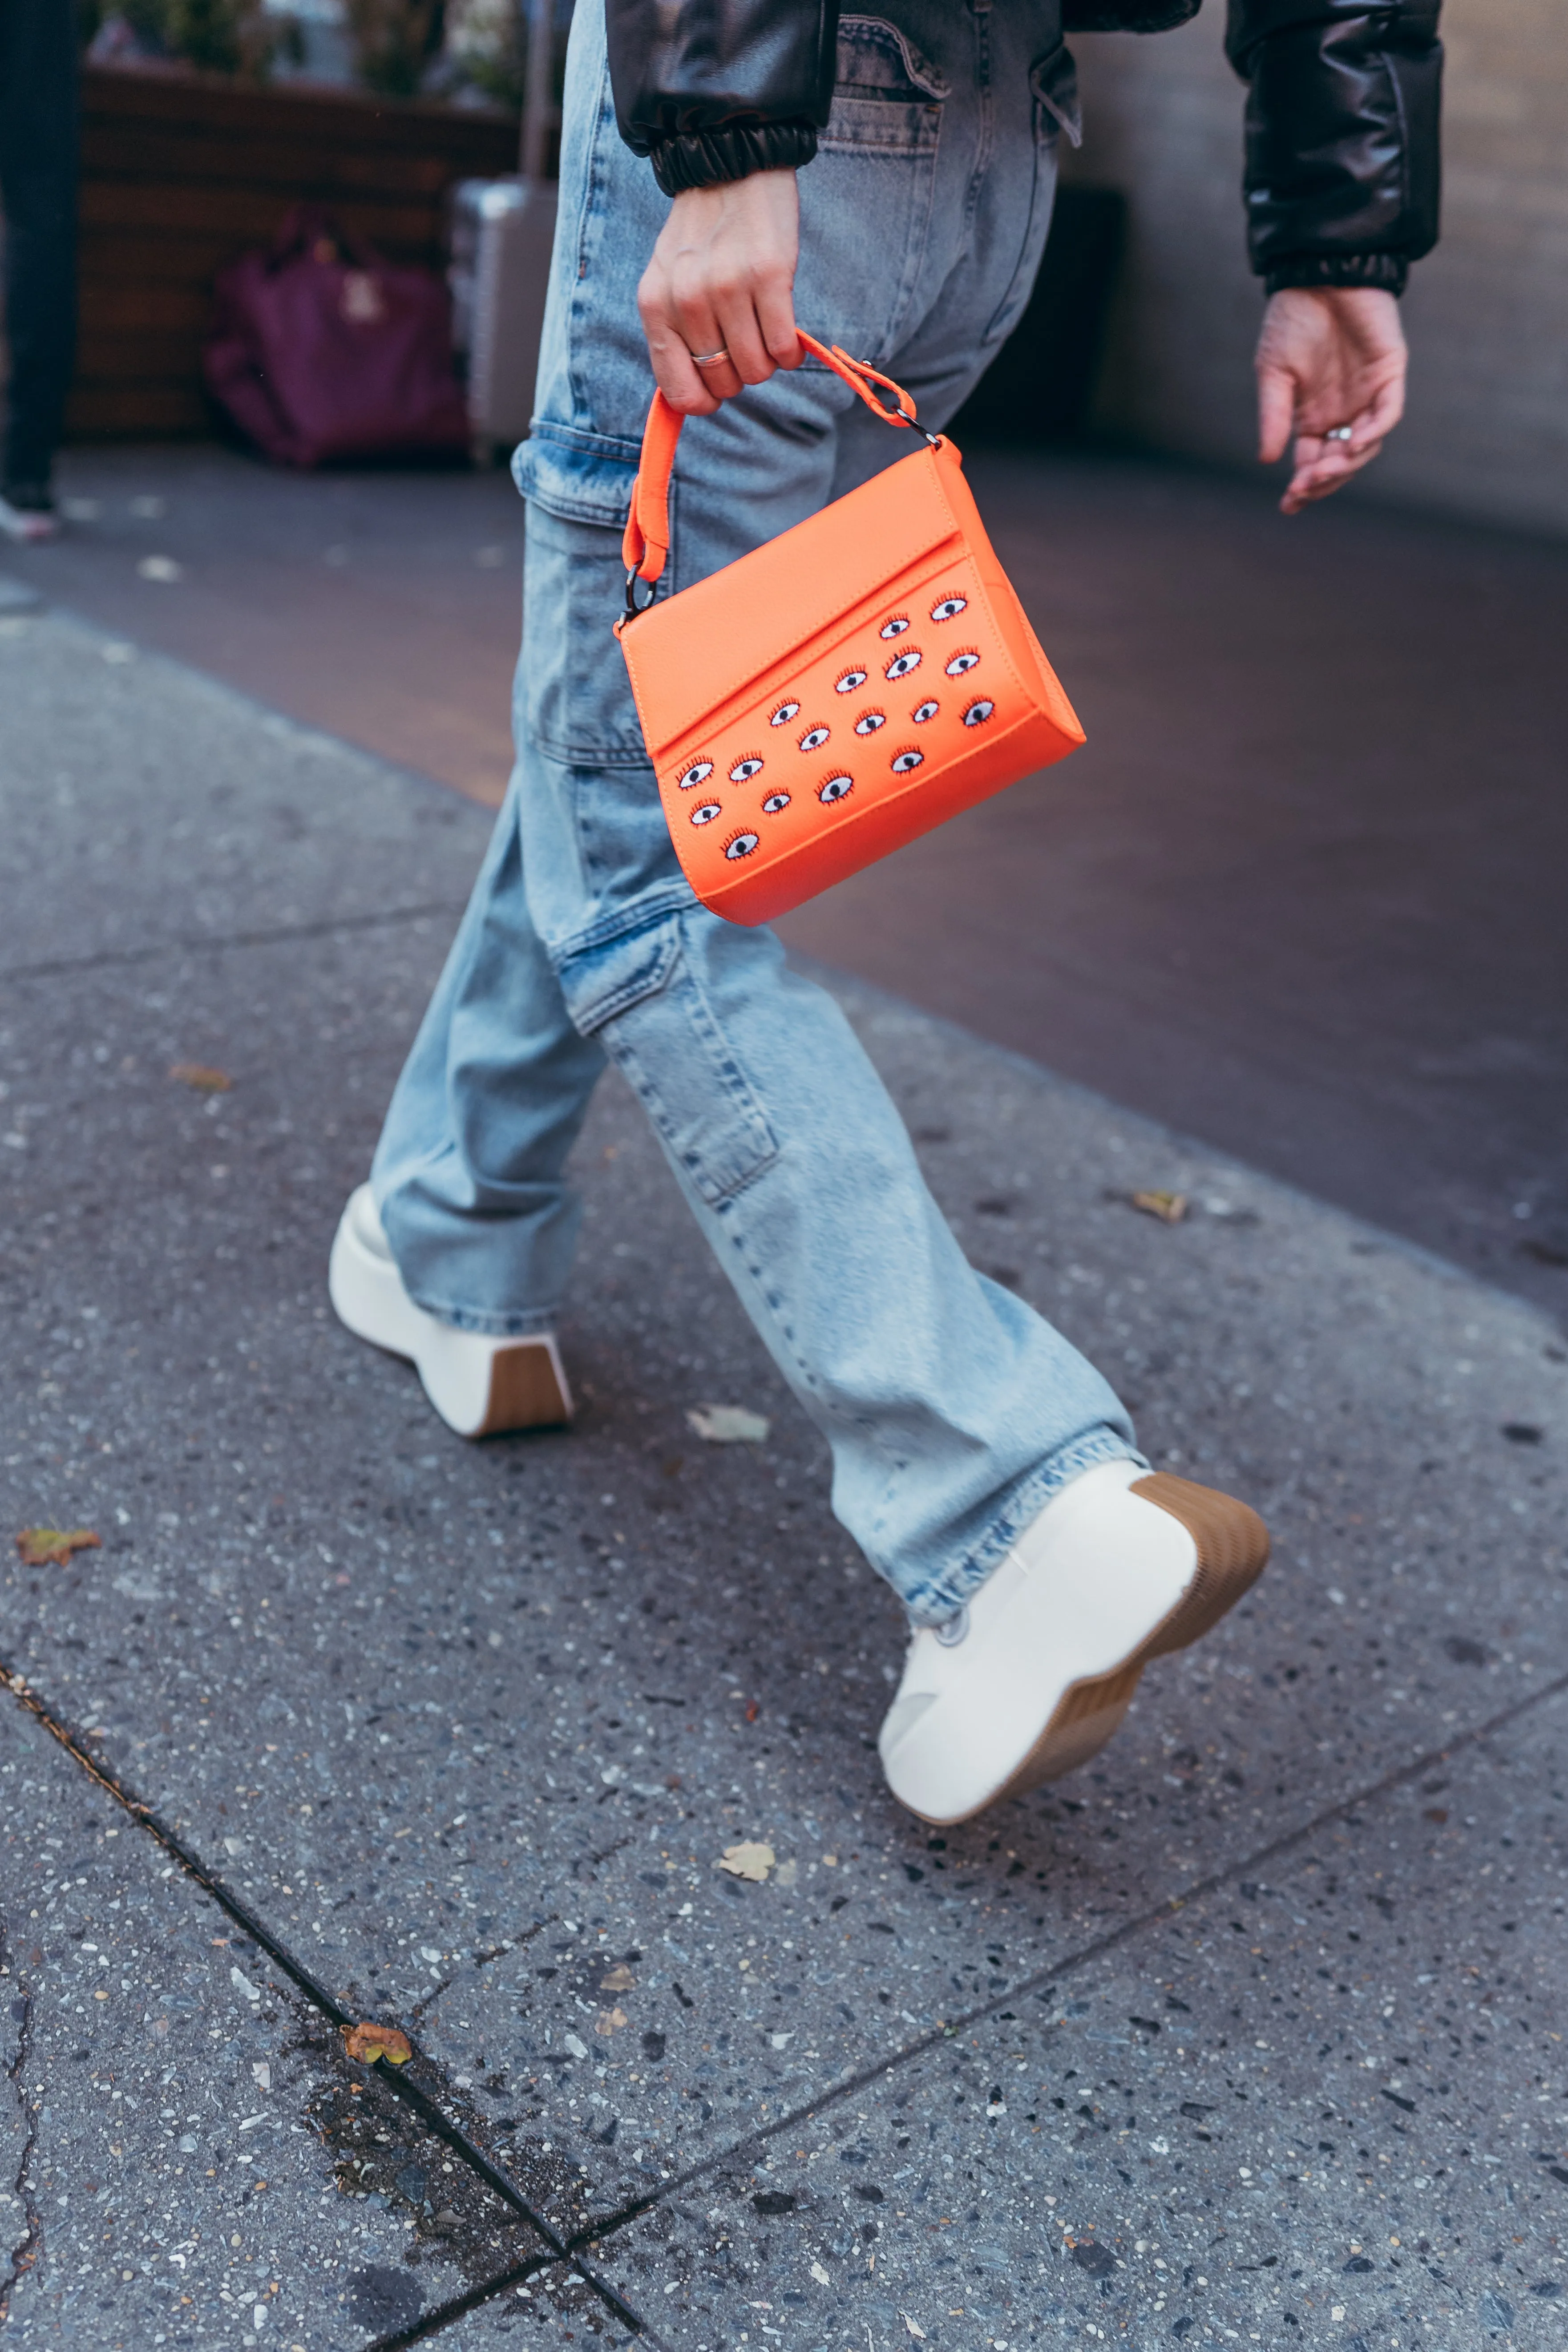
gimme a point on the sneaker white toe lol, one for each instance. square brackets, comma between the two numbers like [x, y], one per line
[1120, 1566]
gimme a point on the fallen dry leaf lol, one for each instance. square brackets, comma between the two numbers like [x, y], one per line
[610, 2021]
[729, 1424]
[370, 2043]
[39, 1544]
[1169, 1207]
[913, 2326]
[204, 1080]
[748, 1860]
[619, 1980]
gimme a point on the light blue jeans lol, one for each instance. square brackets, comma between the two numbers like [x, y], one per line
[953, 1411]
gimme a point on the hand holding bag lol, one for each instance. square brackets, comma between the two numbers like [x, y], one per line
[840, 691]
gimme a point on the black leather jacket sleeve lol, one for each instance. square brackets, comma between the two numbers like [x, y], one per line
[715, 90]
[1342, 138]
[1341, 171]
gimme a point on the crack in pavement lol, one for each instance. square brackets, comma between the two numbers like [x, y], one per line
[591, 2239]
[27, 2250]
[329, 926]
[396, 2080]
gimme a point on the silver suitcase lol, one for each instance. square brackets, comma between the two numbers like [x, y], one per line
[501, 233]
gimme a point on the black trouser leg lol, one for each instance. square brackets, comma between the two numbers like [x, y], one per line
[38, 192]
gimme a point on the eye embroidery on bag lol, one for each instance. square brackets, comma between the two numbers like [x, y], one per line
[948, 608]
[834, 789]
[707, 812]
[978, 713]
[869, 720]
[744, 770]
[697, 773]
[904, 760]
[813, 739]
[740, 845]
[896, 626]
[784, 713]
[851, 680]
[924, 710]
[901, 664]
[774, 803]
[966, 660]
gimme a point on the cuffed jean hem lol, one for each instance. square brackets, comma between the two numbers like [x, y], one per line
[939, 1598]
[535, 1323]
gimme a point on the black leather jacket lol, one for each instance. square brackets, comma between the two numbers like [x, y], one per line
[1341, 183]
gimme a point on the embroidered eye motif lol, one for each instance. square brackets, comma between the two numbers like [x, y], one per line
[905, 761]
[784, 713]
[896, 626]
[697, 773]
[707, 812]
[948, 608]
[869, 720]
[924, 710]
[851, 681]
[978, 713]
[813, 739]
[744, 770]
[834, 789]
[740, 845]
[961, 661]
[774, 803]
[901, 664]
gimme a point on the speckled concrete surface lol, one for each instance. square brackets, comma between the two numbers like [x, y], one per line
[471, 1728]
[188, 2153]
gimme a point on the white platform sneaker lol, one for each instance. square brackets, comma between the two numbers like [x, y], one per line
[478, 1385]
[1035, 1675]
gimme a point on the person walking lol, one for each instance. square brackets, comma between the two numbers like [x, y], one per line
[728, 166]
[37, 195]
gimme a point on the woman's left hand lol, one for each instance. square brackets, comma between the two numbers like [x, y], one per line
[1328, 357]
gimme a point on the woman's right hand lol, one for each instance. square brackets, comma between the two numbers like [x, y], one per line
[722, 278]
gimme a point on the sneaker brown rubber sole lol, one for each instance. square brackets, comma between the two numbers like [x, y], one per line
[525, 1392]
[1233, 1549]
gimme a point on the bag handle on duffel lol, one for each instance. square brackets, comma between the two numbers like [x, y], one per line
[646, 545]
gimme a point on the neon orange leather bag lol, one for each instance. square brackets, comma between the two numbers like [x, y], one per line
[839, 691]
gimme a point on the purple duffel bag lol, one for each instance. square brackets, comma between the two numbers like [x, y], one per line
[322, 350]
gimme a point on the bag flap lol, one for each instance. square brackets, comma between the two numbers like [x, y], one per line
[689, 654]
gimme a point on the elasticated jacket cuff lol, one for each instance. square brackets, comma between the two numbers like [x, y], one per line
[703, 159]
[1389, 270]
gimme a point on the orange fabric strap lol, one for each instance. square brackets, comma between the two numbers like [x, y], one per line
[646, 545]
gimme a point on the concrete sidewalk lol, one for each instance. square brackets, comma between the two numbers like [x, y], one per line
[346, 1720]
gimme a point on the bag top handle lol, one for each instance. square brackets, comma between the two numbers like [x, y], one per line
[646, 545]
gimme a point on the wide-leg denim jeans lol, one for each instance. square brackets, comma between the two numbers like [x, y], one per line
[953, 1411]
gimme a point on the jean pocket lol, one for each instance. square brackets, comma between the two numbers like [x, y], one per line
[887, 98]
[573, 700]
[866, 202]
[1053, 90]
[642, 997]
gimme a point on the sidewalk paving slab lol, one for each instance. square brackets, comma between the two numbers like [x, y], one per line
[1331, 2103]
[188, 2154]
[144, 807]
[424, 1703]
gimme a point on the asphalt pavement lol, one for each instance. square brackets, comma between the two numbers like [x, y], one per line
[344, 1722]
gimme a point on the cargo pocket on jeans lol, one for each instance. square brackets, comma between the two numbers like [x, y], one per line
[640, 996]
[865, 221]
[1053, 90]
[573, 698]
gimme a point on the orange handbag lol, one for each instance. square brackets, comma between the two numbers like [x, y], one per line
[839, 691]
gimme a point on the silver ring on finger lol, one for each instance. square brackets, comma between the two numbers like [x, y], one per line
[1334, 432]
[711, 359]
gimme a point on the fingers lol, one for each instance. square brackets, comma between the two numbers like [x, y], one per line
[1324, 467]
[1276, 412]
